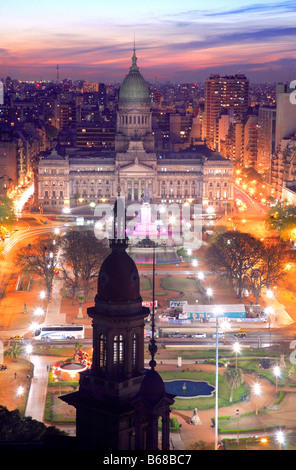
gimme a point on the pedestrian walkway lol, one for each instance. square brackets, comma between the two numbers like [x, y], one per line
[280, 316]
[37, 394]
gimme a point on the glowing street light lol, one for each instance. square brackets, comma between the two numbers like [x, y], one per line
[38, 312]
[269, 312]
[42, 296]
[269, 294]
[201, 276]
[194, 263]
[277, 373]
[20, 391]
[257, 392]
[29, 349]
[210, 293]
[236, 348]
[280, 437]
[217, 312]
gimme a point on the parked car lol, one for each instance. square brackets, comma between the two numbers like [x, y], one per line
[220, 335]
[177, 334]
[17, 338]
[199, 335]
[240, 334]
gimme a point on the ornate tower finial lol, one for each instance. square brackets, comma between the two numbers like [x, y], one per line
[134, 58]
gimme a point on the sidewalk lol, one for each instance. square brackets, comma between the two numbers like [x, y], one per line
[280, 316]
[37, 394]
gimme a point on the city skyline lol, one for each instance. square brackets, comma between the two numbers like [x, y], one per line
[174, 43]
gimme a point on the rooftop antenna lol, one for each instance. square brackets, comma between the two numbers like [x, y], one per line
[152, 344]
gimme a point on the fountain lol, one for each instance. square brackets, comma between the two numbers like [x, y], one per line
[189, 388]
[145, 228]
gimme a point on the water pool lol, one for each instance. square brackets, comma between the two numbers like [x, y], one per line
[189, 388]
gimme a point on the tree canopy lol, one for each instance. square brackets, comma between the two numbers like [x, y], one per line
[15, 428]
[246, 261]
[81, 259]
[40, 259]
[282, 219]
[7, 215]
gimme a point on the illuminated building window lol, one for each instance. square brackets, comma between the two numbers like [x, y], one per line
[102, 352]
[118, 355]
[134, 352]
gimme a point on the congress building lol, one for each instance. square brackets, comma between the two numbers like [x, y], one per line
[76, 177]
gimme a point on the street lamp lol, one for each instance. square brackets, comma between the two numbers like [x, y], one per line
[277, 373]
[42, 296]
[217, 312]
[33, 327]
[269, 294]
[236, 348]
[257, 392]
[20, 391]
[29, 349]
[280, 438]
[201, 276]
[209, 293]
[269, 311]
[194, 263]
[39, 312]
[237, 437]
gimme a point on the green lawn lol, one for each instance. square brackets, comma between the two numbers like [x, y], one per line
[189, 287]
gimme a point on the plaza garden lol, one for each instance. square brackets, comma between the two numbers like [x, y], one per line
[58, 413]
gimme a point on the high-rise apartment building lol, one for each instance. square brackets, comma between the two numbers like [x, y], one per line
[266, 139]
[230, 92]
[90, 87]
[285, 113]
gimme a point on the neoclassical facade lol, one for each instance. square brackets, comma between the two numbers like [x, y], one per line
[77, 177]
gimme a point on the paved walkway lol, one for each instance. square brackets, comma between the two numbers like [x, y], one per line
[37, 394]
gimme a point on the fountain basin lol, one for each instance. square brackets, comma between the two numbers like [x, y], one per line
[189, 388]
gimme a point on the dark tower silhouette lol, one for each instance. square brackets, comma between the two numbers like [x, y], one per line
[118, 404]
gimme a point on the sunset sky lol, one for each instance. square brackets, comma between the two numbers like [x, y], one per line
[175, 40]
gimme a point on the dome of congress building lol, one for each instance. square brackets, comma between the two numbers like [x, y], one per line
[134, 88]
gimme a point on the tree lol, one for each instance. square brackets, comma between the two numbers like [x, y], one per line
[233, 255]
[234, 378]
[40, 259]
[282, 219]
[269, 270]
[14, 351]
[17, 429]
[7, 215]
[82, 256]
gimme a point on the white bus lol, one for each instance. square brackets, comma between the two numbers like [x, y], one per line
[48, 332]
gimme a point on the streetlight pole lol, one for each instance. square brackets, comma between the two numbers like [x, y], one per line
[237, 438]
[277, 373]
[217, 312]
[280, 438]
[257, 392]
[237, 350]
